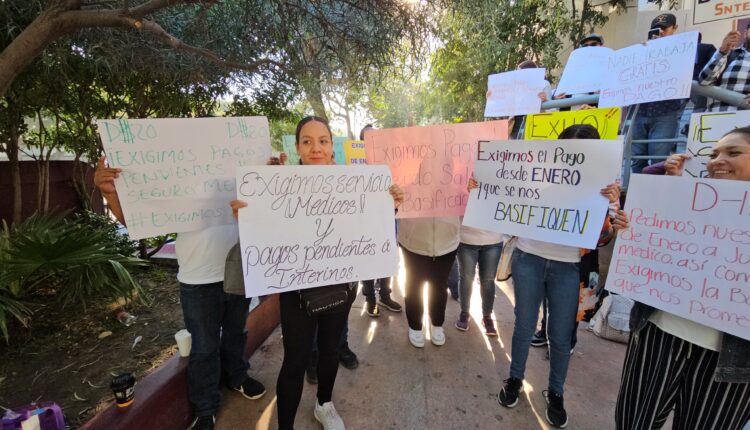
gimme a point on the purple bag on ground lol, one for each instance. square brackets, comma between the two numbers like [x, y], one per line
[47, 414]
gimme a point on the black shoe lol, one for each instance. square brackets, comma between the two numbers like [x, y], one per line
[251, 389]
[372, 309]
[556, 415]
[390, 304]
[348, 358]
[508, 395]
[205, 422]
[539, 339]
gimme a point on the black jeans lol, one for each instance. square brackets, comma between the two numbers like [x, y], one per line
[298, 330]
[434, 270]
[383, 285]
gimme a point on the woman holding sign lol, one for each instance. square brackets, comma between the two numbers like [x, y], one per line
[674, 363]
[300, 321]
[551, 272]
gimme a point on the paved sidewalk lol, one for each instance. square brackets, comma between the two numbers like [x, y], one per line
[451, 387]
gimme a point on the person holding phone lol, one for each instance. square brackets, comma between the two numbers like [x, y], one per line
[729, 68]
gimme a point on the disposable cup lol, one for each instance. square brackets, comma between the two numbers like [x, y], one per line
[184, 342]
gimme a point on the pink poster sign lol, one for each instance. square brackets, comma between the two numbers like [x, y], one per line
[432, 164]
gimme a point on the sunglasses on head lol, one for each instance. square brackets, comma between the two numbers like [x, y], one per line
[587, 44]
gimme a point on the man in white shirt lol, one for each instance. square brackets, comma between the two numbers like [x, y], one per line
[216, 320]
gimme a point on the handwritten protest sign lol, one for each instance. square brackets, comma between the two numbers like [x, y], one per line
[706, 128]
[546, 190]
[661, 69]
[584, 71]
[290, 148]
[308, 226]
[514, 93]
[432, 164]
[354, 150]
[549, 125]
[178, 173]
[687, 251]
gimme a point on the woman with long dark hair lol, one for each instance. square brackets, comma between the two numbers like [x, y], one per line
[676, 364]
[314, 143]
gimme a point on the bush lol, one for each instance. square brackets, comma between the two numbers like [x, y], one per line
[110, 229]
[11, 305]
[77, 260]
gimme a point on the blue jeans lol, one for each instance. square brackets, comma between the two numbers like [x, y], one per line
[543, 327]
[453, 280]
[660, 127]
[487, 256]
[534, 279]
[216, 321]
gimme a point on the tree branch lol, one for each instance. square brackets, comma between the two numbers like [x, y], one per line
[177, 44]
[82, 19]
[154, 6]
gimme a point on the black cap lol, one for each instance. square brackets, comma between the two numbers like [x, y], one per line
[592, 36]
[664, 20]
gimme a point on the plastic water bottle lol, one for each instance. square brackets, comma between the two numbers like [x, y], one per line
[125, 318]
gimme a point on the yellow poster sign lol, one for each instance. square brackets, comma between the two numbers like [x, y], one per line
[549, 125]
[354, 151]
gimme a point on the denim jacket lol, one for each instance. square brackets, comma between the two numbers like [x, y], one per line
[734, 356]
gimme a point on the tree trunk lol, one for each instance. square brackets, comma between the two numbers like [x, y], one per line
[15, 174]
[348, 119]
[78, 177]
[27, 46]
[315, 98]
[39, 186]
[46, 184]
[314, 94]
[40, 163]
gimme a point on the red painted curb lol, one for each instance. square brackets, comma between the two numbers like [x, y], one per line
[161, 398]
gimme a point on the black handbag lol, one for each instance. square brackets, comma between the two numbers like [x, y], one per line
[324, 300]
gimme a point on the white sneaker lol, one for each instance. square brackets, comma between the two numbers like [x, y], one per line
[416, 337]
[328, 416]
[437, 335]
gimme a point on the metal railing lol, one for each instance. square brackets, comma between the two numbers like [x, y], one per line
[732, 98]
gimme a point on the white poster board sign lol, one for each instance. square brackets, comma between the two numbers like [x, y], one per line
[514, 93]
[706, 128]
[717, 10]
[309, 226]
[547, 190]
[661, 69]
[178, 173]
[584, 71]
[687, 251]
